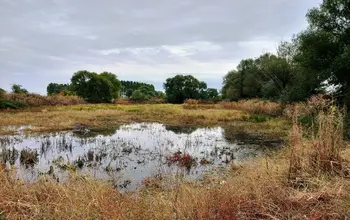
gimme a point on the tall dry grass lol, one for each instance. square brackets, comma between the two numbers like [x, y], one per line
[255, 106]
[251, 192]
[319, 154]
[36, 100]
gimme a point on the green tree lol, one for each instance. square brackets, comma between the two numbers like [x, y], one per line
[212, 93]
[324, 48]
[138, 96]
[180, 88]
[116, 85]
[94, 87]
[56, 88]
[18, 89]
[245, 82]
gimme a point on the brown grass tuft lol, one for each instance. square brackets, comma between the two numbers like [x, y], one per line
[255, 106]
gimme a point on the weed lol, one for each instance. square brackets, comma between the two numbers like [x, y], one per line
[184, 160]
[29, 157]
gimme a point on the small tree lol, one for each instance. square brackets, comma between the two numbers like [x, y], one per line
[18, 89]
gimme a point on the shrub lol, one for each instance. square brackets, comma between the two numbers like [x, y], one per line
[8, 104]
[138, 96]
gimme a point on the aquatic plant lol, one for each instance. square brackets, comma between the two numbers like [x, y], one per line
[184, 160]
[29, 157]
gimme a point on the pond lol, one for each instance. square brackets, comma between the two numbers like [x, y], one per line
[129, 154]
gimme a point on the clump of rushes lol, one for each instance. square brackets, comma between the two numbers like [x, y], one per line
[183, 160]
[29, 157]
[320, 155]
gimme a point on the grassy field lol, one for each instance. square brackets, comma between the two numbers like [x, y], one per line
[102, 116]
[290, 184]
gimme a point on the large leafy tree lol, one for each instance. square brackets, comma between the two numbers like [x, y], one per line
[324, 49]
[182, 87]
[95, 87]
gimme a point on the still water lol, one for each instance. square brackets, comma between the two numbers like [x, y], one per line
[130, 153]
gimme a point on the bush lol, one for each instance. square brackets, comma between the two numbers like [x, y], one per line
[138, 96]
[8, 104]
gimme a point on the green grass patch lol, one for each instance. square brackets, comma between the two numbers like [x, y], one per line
[256, 118]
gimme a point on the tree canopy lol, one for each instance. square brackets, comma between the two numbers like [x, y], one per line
[324, 48]
[180, 87]
[93, 87]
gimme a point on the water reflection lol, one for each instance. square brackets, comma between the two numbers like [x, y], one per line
[127, 154]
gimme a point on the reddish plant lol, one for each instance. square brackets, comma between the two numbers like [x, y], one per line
[184, 160]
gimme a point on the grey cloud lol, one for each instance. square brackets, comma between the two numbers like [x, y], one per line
[47, 40]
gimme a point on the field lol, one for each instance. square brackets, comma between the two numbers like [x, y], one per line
[102, 116]
[281, 185]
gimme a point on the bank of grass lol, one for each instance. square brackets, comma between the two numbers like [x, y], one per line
[255, 190]
[100, 116]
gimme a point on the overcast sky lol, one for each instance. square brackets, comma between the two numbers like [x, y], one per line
[45, 41]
